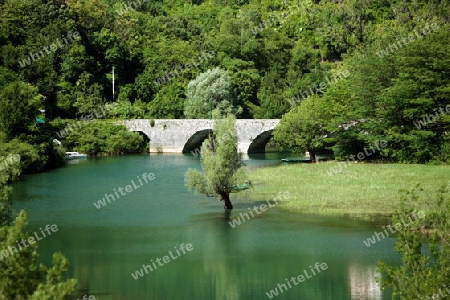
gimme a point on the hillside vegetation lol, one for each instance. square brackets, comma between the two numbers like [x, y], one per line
[380, 65]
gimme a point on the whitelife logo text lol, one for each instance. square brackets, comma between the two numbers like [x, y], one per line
[378, 236]
[31, 240]
[128, 189]
[165, 260]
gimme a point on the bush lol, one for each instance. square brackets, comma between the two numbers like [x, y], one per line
[104, 137]
[33, 158]
[424, 247]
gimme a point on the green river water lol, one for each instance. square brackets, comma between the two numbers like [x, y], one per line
[106, 245]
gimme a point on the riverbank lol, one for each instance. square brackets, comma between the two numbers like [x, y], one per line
[358, 190]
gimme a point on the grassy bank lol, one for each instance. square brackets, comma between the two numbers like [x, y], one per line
[360, 189]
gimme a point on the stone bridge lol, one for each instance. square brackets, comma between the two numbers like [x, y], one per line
[186, 135]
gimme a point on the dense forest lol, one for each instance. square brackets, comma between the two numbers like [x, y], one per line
[379, 69]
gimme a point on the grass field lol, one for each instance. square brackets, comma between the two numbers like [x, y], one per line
[358, 190]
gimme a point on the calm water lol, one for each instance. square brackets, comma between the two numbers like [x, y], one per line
[105, 246]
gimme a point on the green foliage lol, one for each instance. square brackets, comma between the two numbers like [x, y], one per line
[168, 102]
[267, 52]
[212, 90]
[247, 81]
[37, 154]
[29, 156]
[104, 137]
[305, 127]
[420, 88]
[21, 276]
[273, 103]
[9, 170]
[6, 76]
[126, 110]
[424, 248]
[20, 104]
[444, 152]
[6, 210]
[220, 162]
[405, 101]
[87, 94]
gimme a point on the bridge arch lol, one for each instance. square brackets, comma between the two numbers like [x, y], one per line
[258, 145]
[143, 134]
[196, 140]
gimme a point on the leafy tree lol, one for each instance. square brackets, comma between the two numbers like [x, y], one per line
[305, 68]
[168, 102]
[220, 163]
[300, 130]
[212, 90]
[91, 16]
[88, 94]
[306, 125]
[180, 62]
[6, 76]
[273, 103]
[74, 62]
[20, 104]
[29, 155]
[421, 88]
[408, 86]
[247, 83]
[444, 153]
[21, 276]
[124, 109]
[424, 246]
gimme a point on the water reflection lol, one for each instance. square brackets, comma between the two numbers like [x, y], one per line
[362, 282]
[219, 264]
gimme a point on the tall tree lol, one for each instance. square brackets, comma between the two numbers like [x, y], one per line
[212, 90]
[405, 103]
[220, 163]
[305, 126]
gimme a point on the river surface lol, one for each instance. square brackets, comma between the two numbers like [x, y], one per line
[106, 245]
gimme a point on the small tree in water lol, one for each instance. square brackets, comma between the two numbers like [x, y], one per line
[220, 162]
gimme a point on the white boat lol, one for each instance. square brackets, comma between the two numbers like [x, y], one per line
[75, 155]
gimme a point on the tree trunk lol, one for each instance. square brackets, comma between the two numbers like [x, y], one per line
[226, 197]
[312, 156]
